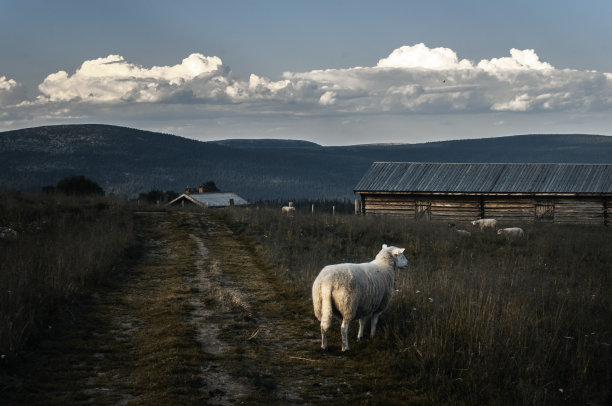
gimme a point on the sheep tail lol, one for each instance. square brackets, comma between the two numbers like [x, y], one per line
[323, 305]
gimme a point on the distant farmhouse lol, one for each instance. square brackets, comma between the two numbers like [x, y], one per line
[559, 193]
[201, 198]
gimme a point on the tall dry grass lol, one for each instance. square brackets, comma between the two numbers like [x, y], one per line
[478, 320]
[64, 246]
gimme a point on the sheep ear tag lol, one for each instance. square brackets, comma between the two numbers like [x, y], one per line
[399, 251]
[384, 246]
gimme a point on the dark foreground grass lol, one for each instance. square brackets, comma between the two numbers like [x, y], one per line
[64, 246]
[478, 320]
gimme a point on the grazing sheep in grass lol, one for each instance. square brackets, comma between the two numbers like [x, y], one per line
[288, 210]
[356, 291]
[459, 231]
[485, 223]
[511, 232]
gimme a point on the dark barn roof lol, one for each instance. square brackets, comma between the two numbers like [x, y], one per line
[486, 178]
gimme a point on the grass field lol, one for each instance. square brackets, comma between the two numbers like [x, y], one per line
[478, 320]
[64, 245]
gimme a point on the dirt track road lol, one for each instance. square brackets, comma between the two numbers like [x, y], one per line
[198, 319]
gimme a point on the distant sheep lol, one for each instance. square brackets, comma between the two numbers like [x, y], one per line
[289, 210]
[511, 232]
[459, 231]
[356, 291]
[485, 223]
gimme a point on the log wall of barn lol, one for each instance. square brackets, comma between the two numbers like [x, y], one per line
[395, 205]
[422, 207]
[512, 209]
[579, 211]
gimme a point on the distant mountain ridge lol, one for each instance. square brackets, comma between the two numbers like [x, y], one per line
[126, 161]
[265, 143]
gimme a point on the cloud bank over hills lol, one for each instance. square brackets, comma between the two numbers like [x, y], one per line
[411, 80]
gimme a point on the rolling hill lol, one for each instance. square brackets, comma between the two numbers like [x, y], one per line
[127, 161]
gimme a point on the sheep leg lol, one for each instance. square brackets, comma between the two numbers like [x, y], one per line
[362, 322]
[373, 323]
[344, 331]
[323, 338]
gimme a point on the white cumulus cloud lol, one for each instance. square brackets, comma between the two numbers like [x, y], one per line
[519, 60]
[420, 56]
[327, 98]
[418, 79]
[10, 91]
[412, 79]
[7, 84]
[113, 79]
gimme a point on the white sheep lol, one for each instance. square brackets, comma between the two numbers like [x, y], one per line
[485, 223]
[288, 210]
[511, 232]
[459, 231]
[356, 291]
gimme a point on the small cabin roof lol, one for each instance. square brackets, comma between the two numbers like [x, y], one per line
[211, 199]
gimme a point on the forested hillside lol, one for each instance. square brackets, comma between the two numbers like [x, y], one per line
[126, 161]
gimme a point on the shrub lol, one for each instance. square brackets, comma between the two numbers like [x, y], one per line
[79, 186]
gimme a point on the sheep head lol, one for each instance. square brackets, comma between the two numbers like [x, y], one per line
[396, 255]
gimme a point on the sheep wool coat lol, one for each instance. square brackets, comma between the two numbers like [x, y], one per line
[357, 290]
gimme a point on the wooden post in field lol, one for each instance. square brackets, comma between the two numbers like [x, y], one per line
[357, 206]
[333, 210]
[312, 208]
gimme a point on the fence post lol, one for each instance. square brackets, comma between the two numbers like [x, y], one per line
[312, 208]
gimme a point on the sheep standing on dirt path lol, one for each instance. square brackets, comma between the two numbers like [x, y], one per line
[356, 291]
[511, 232]
[485, 223]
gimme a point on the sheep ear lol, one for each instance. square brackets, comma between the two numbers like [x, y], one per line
[384, 246]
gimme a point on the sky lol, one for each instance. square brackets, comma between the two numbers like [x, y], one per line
[331, 72]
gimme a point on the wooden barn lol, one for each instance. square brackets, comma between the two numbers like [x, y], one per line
[559, 193]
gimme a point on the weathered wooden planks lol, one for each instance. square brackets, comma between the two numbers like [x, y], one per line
[558, 209]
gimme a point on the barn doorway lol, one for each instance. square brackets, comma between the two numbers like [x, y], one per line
[422, 210]
[545, 211]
